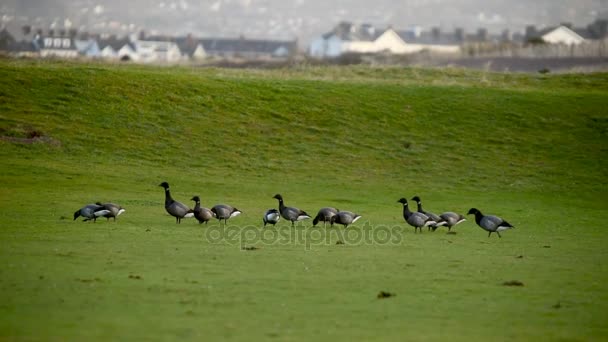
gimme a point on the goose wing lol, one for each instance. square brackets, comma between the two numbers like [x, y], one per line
[492, 222]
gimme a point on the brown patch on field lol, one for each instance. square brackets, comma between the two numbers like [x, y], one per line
[384, 294]
[513, 283]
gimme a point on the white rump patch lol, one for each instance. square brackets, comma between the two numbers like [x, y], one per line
[460, 221]
[120, 212]
[303, 217]
[189, 215]
[502, 228]
[101, 213]
[428, 223]
[236, 213]
[356, 218]
[442, 223]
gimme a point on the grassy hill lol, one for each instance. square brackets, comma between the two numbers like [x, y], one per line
[530, 148]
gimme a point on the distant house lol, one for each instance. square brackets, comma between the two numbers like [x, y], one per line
[350, 38]
[53, 46]
[248, 48]
[561, 35]
[567, 34]
[113, 48]
[153, 51]
[191, 48]
[87, 47]
[23, 49]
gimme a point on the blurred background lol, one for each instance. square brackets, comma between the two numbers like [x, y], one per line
[477, 28]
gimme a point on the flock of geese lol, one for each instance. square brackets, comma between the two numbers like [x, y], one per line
[417, 219]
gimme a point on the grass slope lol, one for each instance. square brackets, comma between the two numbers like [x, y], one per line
[529, 148]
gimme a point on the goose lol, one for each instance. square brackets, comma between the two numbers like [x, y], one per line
[438, 220]
[224, 212]
[200, 213]
[175, 208]
[490, 223]
[114, 210]
[290, 213]
[416, 220]
[344, 218]
[451, 219]
[325, 215]
[90, 212]
[272, 216]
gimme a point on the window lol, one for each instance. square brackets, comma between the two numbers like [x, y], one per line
[66, 43]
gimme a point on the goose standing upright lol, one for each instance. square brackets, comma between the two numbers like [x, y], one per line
[344, 218]
[224, 212]
[113, 210]
[325, 215]
[175, 208]
[451, 219]
[416, 219]
[200, 213]
[271, 216]
[290, 213]
[490, 223]
[90, 212]
[438, 220]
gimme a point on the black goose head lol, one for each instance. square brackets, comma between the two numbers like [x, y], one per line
[164, 185]
[402, 200]
[278, 196]
[195, 199]
[416, 199]
[473, 211]
[76, 214]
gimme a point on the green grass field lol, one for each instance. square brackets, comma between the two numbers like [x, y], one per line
[530, 148]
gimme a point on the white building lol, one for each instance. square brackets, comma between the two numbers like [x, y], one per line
[562, 35]
[349, 38]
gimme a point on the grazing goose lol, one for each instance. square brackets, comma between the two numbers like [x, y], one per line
[344, 218]
[200, 213]
[451, 219]
[224, 212]
[325, 215]
[290, 213]
[114, 210]
[438, 220]
[272, 216]
[175, 208]
[416, 220]
[490, 223]
[90, 212]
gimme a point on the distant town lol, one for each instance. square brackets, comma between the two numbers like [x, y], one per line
[345, 40]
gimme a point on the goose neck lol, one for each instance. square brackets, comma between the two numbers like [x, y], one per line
[406, 211]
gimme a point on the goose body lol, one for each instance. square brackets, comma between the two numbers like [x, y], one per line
[271, 216]
[490, 223]
[344, 218]
[224, 212]
[113, 210]
[200, 213]
[451, 219]
[415, 219]
[290, 213]
[90, 212]
[175, 208]
[325, 215]
[438, 220]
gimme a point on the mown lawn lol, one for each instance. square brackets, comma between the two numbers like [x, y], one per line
[530, 148]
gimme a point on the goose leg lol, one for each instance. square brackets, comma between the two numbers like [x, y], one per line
[498, 234]
[489, 233]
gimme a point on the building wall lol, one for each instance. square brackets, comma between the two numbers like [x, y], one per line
[563, 35]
